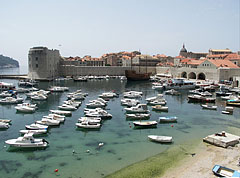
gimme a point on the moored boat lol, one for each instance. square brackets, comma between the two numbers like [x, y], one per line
[137, 116]
[160, 108]
[145, 124]
[168, 119]
[225, 172]
[160, 139]
[210, 107]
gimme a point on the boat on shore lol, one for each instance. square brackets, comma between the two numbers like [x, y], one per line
[225, 172]
[160, 139]
[132, 75]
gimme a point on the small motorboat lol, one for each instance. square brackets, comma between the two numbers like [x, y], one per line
[4, 125]
[225, 172]
[11, 100]
[102, 114]
[160, 108]
[168, 119]
[90, 120]
[60, 112]
[87, 125]
[145, 124]
[67, 107]
[35, 132]
[55, 117]
[172, 92]
[140, 108]
[226, 112]
[96, 104]
[160, 139]
[27, 141]
[5, 121]
[132, 94]
[5, 94]
[159, 96]
[39, 97]
[210, 107]
[73, 103]
[138, 116]
[108, 95]
[25, 109]
[48, 122]
[158, 102]
[129, 102]
[36, 127]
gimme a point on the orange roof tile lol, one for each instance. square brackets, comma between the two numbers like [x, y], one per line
[222, 63]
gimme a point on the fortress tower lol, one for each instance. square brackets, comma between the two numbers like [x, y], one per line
[43, 63]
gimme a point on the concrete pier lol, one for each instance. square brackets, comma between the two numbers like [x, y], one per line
[222, 139]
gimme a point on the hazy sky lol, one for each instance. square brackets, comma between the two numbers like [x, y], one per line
[95, 27]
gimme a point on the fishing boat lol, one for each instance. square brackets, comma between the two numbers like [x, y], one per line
[210, 107]
[160, 139]
[168, 119]
[160, 108]
[225, 172]
[145, 124]
[27, 141]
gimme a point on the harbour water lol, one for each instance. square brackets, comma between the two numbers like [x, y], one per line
[123, 145]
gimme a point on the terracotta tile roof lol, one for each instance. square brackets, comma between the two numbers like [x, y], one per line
[179, 57]
[232, 56]
[222, 63]
[217, 56]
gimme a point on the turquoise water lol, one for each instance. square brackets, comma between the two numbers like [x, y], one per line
[123, 145]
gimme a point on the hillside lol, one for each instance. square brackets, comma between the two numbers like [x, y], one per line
[7, 62]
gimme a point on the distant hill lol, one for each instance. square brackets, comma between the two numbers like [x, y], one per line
[7, 62]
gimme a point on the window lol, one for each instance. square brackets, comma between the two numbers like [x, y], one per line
[36, 65]
[36, 58]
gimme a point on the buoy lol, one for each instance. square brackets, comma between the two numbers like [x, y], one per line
[56, 170]
[87, 151]
[130, 126]
[73, 151]
[171, 125]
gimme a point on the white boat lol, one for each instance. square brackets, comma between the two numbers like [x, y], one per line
[168, 119]
[108, 95]
[179, 84]
[36, 127]
[160, 139]
[28, 105]
[157, 87]
[138, 116]
[129, 102]
[102, 114]
[87, 125]
[158, 102]
[39, 97]
[6, 120]
[229, 97]
[159, 96]
[34, 132]
[5, 94]
[76, 96]
[140, 108]
[27, 141]
[88, 110]
[4, 125]
[60, 112]
[55, 117]
[145, 124]
[210, 107]
[96, 104]
[25, 109]
[48, 122]
[6, 86]
[132, 94]
[226, 112]
[160, 108]
[67, 107]
[11, 100]
[172, 92]
[73, 103]
[58, 89]
[90, 120]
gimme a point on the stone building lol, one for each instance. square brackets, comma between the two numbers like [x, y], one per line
[186, 54]
[43, 63]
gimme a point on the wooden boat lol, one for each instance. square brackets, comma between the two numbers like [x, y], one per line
[168, 119]
[205, 106]
[145, 124]
[160, 108]
[132, 75]
[225, 172]
[160, 139]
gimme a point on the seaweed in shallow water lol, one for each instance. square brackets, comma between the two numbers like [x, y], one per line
[9, 166]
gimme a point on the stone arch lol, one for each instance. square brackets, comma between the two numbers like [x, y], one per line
[201, 76]
[192, 75]
[184, 74]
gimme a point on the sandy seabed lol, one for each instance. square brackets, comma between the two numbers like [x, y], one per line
[201, 164]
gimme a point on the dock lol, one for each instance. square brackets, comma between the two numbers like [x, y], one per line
[222, 139]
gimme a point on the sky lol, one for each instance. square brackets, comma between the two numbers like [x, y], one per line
[96, 27]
